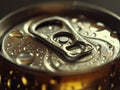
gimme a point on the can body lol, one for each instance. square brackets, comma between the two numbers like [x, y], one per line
[11, 79]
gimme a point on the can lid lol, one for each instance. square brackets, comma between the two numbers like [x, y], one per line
[60, 43]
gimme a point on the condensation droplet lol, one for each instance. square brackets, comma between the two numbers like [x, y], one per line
[33, 66]
[50, 27]
[74, 20]
[41, 61]
[114, 32]
[25, 48]
[9, 44]
[98, 52]
[94, 35]
[37, 54]
[53, 82]
[91, 56]
[55, 39]
[43, 87]
[78, 29]
[112, 85]
[41, 58]
[98, 63]
[111, 47]
[40, 64]
[46, 58]
[19, 50]
[47, 55]
[102, 62]
[18, 86]
[7, 48]
[24, 80]
[9, 83]
[93, 28]
[41, 51]
[80, 26]
[91, 63]
[19, 45]
[104, 57]
[16, 33]
[11, 72]
[57, 64]
[98, 47]
[37, 49]
[25, 58]
[12, 53]
[86, 33]
[100, 24]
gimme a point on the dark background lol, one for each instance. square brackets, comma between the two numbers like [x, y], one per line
[7, 6]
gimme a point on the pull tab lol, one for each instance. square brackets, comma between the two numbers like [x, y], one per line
[65, 41]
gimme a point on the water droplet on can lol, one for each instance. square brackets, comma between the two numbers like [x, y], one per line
[100, 24]
[37, 54]
[40, 64]
[112, 85]
[50, 27]
[91, 63]
[12, 53]
[41, 51]
[9, 44]
[16, 33]
[74, 20]
[25, 48]
[9, 83]
[104, 57]
[41, 58]
[115, 32]
[80, 25]
[57, 64]
[99, 52]
[98, 47]
[78, 29]
[24, 80]
[94, 35]
[25, 58]
[111, 47]
[86, 33]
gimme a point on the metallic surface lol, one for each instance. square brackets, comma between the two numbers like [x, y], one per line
[31, 61]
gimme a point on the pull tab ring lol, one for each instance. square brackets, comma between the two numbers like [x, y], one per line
[68, 52]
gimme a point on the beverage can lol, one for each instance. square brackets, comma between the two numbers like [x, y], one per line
[60, 46]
